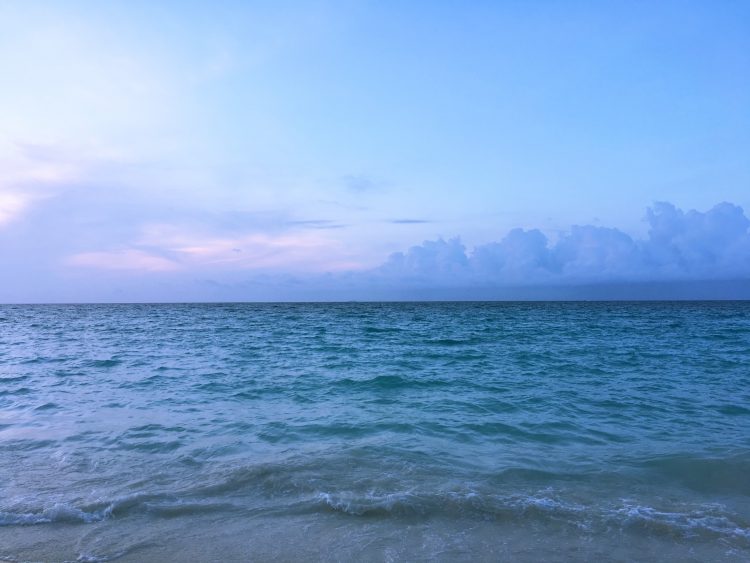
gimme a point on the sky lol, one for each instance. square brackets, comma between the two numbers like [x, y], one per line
[210, 151]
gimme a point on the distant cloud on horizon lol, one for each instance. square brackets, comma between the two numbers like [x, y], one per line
[682, 246]
[684, 255]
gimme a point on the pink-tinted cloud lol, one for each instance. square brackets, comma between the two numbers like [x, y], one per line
[123, 259]
[167, 248]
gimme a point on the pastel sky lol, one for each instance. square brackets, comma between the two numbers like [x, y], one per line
[168, 151]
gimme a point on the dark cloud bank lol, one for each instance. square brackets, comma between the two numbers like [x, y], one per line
[686, 255]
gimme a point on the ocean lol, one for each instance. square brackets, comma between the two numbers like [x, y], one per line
[574, 431]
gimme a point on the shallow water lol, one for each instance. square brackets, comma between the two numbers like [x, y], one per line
[403, 431]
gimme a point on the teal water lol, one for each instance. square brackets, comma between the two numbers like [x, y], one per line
[382, 432]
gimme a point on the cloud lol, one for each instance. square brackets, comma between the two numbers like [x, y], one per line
[124, 259]
[317, 224]
[689, 254]
[31, 173]
[437, 259]
[409, 221]
[518, 256]
[680, 245]
[698, 245]
[359, 183]
[164, 247]
[11, 205]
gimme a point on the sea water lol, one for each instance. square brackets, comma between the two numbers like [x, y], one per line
[375, 432]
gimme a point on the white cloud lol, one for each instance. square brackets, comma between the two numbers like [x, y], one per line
[694, 244]
[680, 246]
[432, 259]
[31, 173]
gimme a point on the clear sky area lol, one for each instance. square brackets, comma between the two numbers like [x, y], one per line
[209, 151]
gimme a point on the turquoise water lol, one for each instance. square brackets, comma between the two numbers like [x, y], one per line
[382, 432]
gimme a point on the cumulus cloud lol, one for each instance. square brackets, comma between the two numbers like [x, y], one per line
[680, 245]
[431, 259]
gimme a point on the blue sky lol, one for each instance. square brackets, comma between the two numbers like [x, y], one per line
[201, 150]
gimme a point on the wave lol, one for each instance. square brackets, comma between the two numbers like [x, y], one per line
[12, 378]
[16, 391]
[107, 363]
[308, 487]
[706, 522]
[55, 513]
[387, 382]
[160, 505]
[382, 330]
[703, 474]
